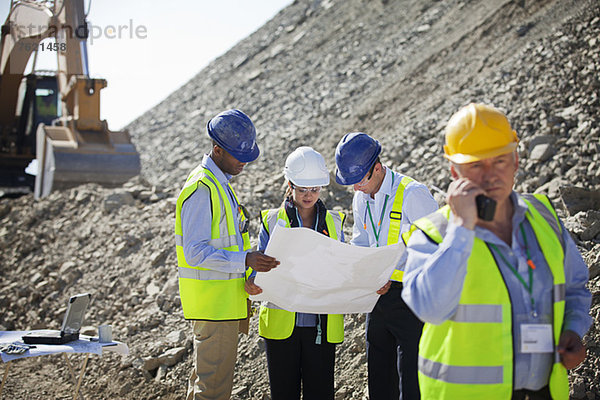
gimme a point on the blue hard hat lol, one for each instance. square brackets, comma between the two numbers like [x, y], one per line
[354, 156]
[234, 131]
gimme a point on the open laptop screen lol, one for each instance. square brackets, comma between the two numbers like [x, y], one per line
[72, 322]
[75, 311]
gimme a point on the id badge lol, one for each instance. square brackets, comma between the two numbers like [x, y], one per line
[536, 338]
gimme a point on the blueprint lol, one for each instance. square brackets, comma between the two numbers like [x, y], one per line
[320, 275]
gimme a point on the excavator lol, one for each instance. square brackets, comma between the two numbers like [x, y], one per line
[50, 120]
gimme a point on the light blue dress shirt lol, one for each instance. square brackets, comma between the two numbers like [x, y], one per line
[196, 220]
[434, 277]
[418, 202]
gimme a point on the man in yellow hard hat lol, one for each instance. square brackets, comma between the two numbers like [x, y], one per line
[501, 291]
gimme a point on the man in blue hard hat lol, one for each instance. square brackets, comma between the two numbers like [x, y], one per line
[385, 204]
[212, 242]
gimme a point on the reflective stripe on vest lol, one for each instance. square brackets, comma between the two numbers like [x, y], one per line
[490, 313]
[277, 323]
[207, 294]
[207, 275]
[470, 356]
[395, 219]
[460, 374]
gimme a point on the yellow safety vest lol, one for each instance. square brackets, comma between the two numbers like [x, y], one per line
[395, 219]
[276, 323]
[207, 294]
[470, 356]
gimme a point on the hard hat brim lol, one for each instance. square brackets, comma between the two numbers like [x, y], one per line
[340, 179]
[244, 157]
[248, 156]
[309, 182]
[460, 158]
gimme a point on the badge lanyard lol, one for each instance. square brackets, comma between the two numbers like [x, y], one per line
[377, 232]
[528, 287]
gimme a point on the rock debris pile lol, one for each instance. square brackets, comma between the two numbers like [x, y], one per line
[319, 69]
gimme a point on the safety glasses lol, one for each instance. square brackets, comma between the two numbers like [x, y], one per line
[366, 178]
[303, 190]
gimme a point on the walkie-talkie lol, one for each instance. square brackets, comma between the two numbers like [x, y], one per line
[486, 207]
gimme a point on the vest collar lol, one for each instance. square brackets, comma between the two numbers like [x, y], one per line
[290, 210]
[221, 176]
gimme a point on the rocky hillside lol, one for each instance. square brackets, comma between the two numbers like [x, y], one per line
[319, 69]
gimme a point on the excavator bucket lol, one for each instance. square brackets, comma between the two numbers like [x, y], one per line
[67, 158]
[83, 149]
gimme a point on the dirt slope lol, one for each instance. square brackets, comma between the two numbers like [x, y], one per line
[319, 69]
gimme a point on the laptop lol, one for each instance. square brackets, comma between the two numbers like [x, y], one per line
[71, 324]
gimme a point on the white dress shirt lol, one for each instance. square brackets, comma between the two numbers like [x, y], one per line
[367, 232]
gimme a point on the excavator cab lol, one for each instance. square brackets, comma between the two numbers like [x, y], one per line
[42, 97]
[50, 122]
[38, 105]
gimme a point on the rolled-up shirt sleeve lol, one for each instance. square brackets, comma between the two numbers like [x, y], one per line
[577, 297]
[196, 222]
[434, 274]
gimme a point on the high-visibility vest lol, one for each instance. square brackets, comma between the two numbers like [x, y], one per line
[470, 356]
[207, 294]
[276, 323]
[395, 219]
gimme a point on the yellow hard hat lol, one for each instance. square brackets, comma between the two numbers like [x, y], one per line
[476, 132]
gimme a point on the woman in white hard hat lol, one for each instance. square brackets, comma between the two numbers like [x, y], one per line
[301, 347]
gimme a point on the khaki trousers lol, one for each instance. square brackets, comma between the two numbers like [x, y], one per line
[215, 352]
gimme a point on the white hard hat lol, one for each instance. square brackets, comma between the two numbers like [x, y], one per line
[306, 167]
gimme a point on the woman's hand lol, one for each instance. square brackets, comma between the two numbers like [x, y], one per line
[384, 289]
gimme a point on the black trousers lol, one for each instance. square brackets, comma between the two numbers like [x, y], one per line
[393, 333]
[297, 360]
[526, 394]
